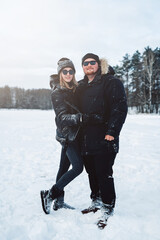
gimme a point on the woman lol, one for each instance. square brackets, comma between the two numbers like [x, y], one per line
[68, 120]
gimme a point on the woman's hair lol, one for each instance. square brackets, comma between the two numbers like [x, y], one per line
[72, 85]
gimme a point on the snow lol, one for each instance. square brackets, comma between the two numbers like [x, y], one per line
[29, 159]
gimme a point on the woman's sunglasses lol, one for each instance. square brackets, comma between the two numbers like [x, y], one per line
[91, 62]
[71, 72]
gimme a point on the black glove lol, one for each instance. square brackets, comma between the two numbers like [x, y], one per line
[92, 118]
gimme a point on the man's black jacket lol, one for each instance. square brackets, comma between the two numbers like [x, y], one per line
[105, 96]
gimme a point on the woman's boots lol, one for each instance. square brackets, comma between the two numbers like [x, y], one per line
[47, 197]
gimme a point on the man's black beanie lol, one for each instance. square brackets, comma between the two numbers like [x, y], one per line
[91, 55]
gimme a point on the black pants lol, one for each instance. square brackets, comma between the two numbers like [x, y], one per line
[99, 169]
[64, 164]
[63, 168]
[70, 155]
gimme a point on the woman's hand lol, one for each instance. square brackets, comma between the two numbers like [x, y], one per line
[109, 138]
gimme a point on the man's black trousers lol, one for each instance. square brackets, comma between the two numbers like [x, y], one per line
[99, 169]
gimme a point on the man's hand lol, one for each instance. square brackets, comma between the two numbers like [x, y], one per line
[109, 138]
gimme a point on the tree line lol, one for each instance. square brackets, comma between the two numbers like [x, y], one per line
[25, 99]
[140, 74]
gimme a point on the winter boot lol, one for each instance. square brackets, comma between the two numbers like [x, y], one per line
[95, 205]
[58, 204]
[47, 198]
[107, 211]
[46, 201]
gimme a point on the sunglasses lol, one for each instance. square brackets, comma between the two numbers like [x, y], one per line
[91, 62]
[71, 72]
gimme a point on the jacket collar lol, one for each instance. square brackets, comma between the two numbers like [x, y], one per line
[96, 78]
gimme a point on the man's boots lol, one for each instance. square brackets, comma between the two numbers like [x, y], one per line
[95, 204]
[107, 211]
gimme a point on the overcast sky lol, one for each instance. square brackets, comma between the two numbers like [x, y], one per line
[35, 34]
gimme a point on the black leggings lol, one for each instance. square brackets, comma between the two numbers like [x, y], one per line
[72, 156]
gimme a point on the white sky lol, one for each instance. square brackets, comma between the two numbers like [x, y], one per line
[35, 34]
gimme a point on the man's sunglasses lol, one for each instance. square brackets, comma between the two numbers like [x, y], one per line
[71, 72]
[91, 62]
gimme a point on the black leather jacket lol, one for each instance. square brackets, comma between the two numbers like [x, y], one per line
[68, 118]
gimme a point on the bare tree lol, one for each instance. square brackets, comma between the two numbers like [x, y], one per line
[148, 61]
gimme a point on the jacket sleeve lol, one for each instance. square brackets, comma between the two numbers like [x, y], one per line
[118, 107]
[62, 111]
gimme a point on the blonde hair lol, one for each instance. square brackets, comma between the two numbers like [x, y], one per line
[64, 84]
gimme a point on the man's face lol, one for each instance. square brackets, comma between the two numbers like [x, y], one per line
[90, 69]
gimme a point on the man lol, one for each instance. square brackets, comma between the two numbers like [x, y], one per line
[103, 94]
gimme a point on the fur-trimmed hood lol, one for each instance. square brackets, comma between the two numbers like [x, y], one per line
[54, 81]
[105, 67]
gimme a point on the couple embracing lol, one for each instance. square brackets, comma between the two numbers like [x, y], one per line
[89, 117]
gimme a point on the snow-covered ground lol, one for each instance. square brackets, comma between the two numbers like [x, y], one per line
[29, 159]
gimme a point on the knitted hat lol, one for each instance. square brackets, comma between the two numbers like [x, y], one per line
[64, 63]
[91, 55]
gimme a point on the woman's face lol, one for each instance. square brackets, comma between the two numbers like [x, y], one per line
[67, 74]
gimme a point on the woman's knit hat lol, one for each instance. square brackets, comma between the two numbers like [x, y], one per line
[63, 63]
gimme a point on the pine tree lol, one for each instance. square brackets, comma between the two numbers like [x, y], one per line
[156, 82]
[125, 70]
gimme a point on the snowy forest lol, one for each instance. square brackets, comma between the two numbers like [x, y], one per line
[140, 74]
